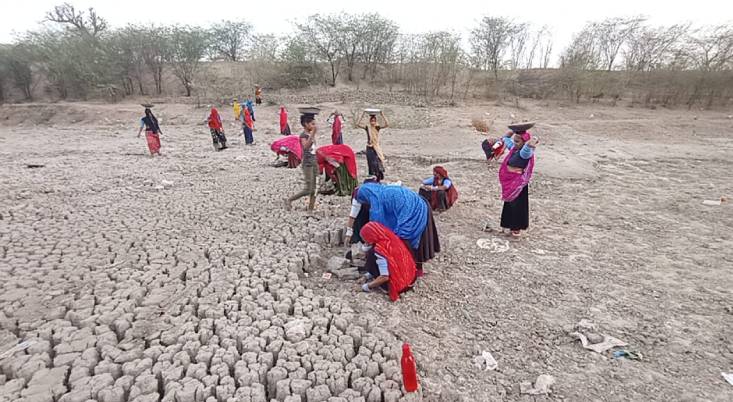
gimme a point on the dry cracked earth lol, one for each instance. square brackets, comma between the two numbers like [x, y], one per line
[182, 279]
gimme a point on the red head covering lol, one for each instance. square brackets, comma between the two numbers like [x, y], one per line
[342, 154]
[215, 119]
[440, 171]
[289, 144]
[402, 270]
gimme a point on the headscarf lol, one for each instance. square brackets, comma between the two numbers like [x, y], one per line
[342, 154]
[398, 208]
[512, 184]
[151, 122]
[215, 119]
[401, 265]
[292, 145]
[336, 129]
[440, 171]
[283, 119]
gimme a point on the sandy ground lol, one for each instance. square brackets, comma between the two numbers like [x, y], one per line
[182, 278]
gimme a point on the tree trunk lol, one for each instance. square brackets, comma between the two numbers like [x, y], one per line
[333, 73]
[28, 92]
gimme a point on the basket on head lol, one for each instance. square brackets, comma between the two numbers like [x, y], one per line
[521, 127]
[312, 110]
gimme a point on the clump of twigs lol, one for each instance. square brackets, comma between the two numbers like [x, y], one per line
[481, 125]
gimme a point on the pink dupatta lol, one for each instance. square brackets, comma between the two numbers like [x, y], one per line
[512, 184]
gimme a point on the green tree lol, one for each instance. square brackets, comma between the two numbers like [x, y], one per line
[188, 47]
[229, 38]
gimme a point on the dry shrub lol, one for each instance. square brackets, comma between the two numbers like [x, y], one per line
[481, 125]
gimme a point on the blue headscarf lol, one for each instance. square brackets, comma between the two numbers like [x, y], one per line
[398, 208]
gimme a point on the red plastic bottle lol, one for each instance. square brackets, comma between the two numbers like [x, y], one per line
[409, 369]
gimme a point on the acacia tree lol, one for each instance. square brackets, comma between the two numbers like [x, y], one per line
[489, 41]
[651, 48]
[155, 52]
[322, 34]
[582, 53]
[89, 25]
[611, 35]
[188, 47]
[540, 48]
[711, 48]
[379, 38]
[124, 47]
[229, 39]
[518, 47]
[18, 66]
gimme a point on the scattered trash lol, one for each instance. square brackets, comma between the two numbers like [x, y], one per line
[592, 115]
[166, 183]
[728, 377]
[541, 385]
[326, 275]
[712, 202]
[493, 245]
[608, 342]
[628, 354]
[485, 361]
[34, 166]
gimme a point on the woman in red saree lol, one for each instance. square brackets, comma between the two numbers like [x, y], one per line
[515, 174]
[338, 162]
[289, 146]
[284, 125]
[389, 261]
[336, 120]
[152, 131]
[439, 190]
[217, 130]
[247, 126]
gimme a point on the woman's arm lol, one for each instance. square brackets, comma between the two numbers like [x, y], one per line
[358, 122]
[384, 118]
[140, 131]
[355, 209]
[445, 186]
[379, 281]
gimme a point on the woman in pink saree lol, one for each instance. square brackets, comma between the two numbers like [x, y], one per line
[515, 174]
[289, 146]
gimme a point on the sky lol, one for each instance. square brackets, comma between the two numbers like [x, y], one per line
[564, 17]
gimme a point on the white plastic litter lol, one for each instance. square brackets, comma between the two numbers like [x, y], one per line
[541, 385]
[728, 377]
[485, 361]
[494, 245]
[609, 342]
[712, 203]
